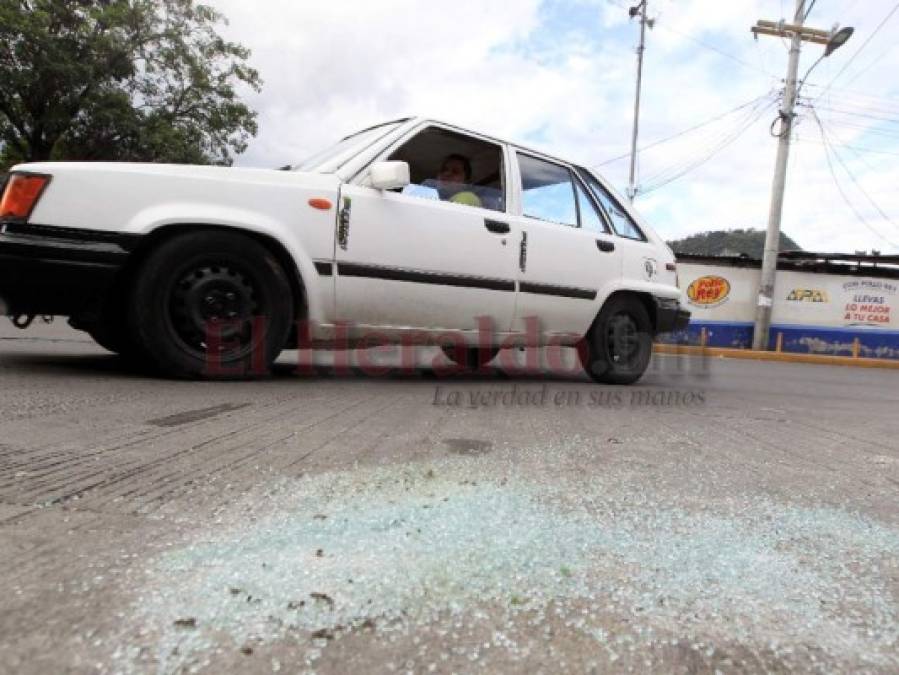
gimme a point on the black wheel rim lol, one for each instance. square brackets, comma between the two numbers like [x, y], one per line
[218, 301]
[623, 344]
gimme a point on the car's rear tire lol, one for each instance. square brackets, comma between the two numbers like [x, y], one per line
[618, 347]
[211, 304]
[471, 359]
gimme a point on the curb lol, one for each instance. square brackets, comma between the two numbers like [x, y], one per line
[787, 357]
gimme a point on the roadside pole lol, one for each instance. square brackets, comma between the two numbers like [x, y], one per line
[772, 237]
[632, 184]
[798, 33]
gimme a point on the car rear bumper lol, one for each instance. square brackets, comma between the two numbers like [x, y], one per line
[58, 271]
[670, 316]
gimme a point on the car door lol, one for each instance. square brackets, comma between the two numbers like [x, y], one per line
[568, 260]
[639, 256]
[407, 262]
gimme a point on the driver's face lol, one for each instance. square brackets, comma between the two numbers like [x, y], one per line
[452, 171]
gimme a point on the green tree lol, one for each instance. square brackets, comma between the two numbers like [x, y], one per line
[129, 80]
[730, 242]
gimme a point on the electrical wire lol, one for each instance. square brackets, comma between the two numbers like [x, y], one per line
[701, 43]
[678, 171]
[827, 152]
[857, 113]
[853, 93]
[683, 132]
[723, 140]
[809, 10]
[715, 49]
[854, 148]
[860, 49]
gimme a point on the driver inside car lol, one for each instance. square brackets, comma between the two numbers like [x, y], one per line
[453, 181]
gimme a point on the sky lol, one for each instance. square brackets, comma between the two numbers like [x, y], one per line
[559, 75]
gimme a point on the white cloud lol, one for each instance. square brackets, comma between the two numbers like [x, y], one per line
[560, 75]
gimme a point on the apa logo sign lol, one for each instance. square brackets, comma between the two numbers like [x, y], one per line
[808, 295]
[708, 291]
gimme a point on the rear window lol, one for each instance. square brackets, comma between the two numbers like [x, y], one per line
[621, 222]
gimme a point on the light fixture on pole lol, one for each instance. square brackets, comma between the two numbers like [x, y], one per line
[839, 38]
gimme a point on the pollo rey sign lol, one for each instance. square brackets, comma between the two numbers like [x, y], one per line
[708, 291]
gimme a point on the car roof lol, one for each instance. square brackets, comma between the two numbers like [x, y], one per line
[496, 139]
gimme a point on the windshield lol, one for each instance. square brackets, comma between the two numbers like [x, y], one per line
[332, 157]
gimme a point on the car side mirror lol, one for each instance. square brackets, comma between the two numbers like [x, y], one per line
[389, 175]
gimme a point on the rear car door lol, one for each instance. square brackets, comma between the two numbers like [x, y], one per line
[639, 256]
[568, 259]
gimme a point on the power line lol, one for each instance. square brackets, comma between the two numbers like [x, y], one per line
[809, 10]
[855, 93]
[827, 151]
[857, 113]
[715, 49]
[860, 49]
[855, 148]
[874, 61]
[685, 131]
[701, 153]
[679, 170]
[701, 43]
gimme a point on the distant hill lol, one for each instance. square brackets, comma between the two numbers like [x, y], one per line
[730, 242]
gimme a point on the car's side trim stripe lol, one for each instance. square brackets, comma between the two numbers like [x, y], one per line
[558, 291]
[424, 277]
[124, 240]
[324, 268]
[349, 269]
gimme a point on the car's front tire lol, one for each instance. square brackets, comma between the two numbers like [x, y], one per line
[211, 304]
[618, 347]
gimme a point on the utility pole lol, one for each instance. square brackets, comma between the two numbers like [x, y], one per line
[634, 11]
[798, 34]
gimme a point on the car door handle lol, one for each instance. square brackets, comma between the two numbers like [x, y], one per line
[605, 246]
[496, 226]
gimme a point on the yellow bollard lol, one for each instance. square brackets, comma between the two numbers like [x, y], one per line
[703, 337]
[856, 348]
[780, 342]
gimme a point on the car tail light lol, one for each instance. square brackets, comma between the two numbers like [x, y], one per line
[672, 267]
[21, 194]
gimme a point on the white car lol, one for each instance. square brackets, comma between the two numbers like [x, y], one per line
[410, 231]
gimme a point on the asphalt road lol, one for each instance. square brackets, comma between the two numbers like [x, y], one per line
[719, 516]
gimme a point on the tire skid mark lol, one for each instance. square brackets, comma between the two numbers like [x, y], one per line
[86, 458]
[181, 489]
[330, 439]
[145, 436]
[50, 484]
[63, 447]
[173, 494]
[128, 470]
[340, 433]
[202, 461]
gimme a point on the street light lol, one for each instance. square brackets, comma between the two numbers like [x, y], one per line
[839, 38]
